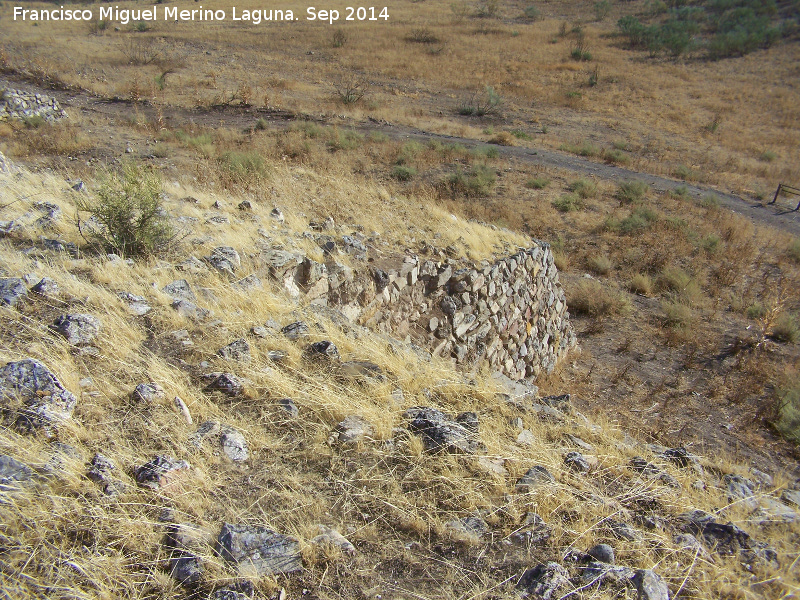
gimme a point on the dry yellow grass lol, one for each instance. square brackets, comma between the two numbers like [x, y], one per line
[64, 539]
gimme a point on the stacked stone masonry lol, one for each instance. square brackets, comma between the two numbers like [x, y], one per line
[511, 313]
[19, 104]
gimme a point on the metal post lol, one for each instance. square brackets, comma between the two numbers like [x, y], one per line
[777, 192]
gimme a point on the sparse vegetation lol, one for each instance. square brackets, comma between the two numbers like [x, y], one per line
[539, 183]
[594, 299]
[568, 203]
[481, 104]
[127, 216]
[632, 191]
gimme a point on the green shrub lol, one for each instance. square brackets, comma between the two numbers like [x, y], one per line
[786, 329]
[262, 124]
[788, 412]
[616, 157]
[601, 9]
[677, 315]
[794, 250]
[709, 201]
[403, 173]
[480, 104]
[141, 26]
[584, 149]
[537, 183]
[585, 188]
[711, 243]
[685, 173]
[242, 168]
[641, 218]
[532, 13]
[520, 135]
[131, 220]
[34, 121]
[485, 152]
[346, 139]
[681, 192]
[568, 203]
[479, 181]
[756, 311]
[768, 156]
[632, 191]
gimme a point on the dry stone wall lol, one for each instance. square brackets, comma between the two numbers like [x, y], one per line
[511, 313]
[19, 104]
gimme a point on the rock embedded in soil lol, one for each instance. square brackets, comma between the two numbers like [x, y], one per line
[12, 291]
[46, 402]
[544, 581]
[159, 472]
[441, 433]
[78, 329]
[260, 549]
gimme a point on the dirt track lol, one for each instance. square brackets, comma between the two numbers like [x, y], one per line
[780, 215]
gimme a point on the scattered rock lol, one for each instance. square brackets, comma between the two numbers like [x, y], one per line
[650, 586]
[259, 549]
[103, 471]
[46, 287]
[227, 383]
[78, 329]
[774, 511]
[740, 490]
[535, 477]
[224, 259]
[190, 310]
[322, 351]
[206, 430]
[533, 530]
[179, 290]
[544, 581]
[13, 473]
[182, 409]
[577, 462]
[332, 537]
[296, 330]
[12, 291]
[250, 283]
[792, 496]
[526, 438]
[238, 350]
[160, 472]
[136, 304]
[148, 393]
[186, 569]
[653, 472]
[46, 402]
[473, 528]
[362, 370]
[602, 552]
[234, 445]
[441, 433]
[624, 531]
[727, 539]
[288, 405]
[277, 356]
[352, 430]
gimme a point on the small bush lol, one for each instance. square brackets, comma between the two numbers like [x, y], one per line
[339, 38]
[242, 168]
[539, 183]
[34, 121]
[532, 13]
[585, 188]
[350, 88]
[788, 412]
[641, 218]
[677, 315]
[786, 329]
[141, 26]
[601, 264]
[685, 173]
[711, 243]
[709, 201]
[592, 298]
[681, 192]
[422, 35]
[641, 284]
[633, 191]
[583, 149]
[479, 181]
[756, 311]
[794, 250]
[129, 213]
[403, 173]
[520, 135]
[568, 203]
[616, 157]
[344, 140]
[768, 156]
[503, 138]
[481, 104]
[601, 9]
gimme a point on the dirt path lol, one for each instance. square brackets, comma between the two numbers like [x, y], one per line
[779, 215]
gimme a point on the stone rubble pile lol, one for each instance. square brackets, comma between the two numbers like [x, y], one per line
[20, 104]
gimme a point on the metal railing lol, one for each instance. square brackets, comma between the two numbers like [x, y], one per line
[787, 190]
